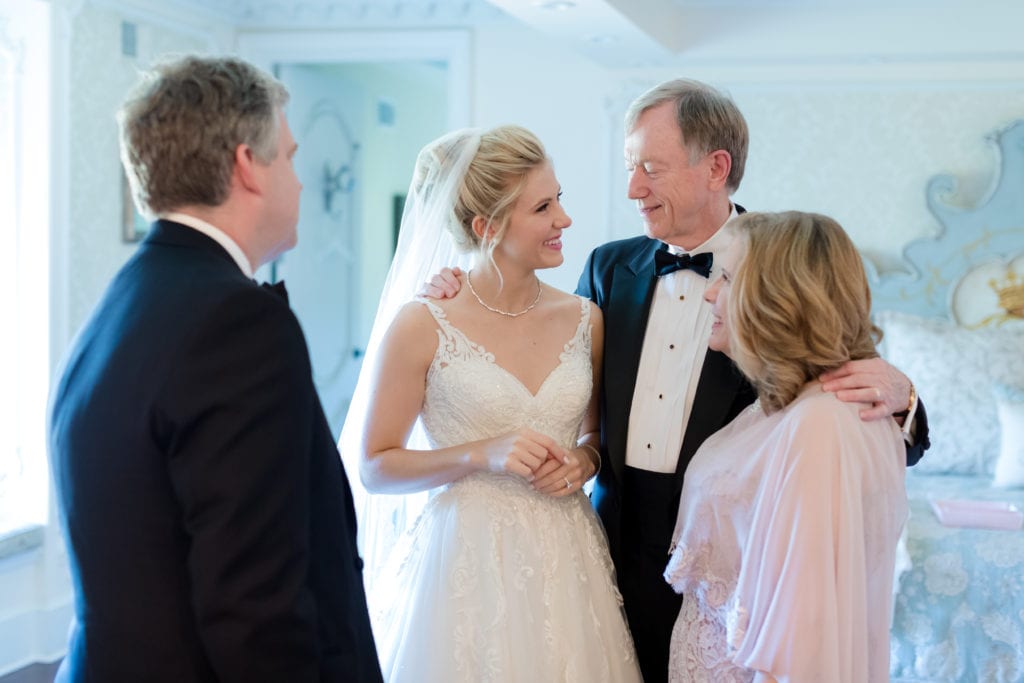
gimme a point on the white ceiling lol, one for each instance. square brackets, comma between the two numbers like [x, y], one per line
[635, 33]
[629, 33]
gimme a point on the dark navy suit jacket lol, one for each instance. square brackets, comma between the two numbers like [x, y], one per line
[209, 521]
[619, 277]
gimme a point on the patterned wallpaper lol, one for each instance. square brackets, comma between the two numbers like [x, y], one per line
[100, 78]
[865, 156]
[860, 153]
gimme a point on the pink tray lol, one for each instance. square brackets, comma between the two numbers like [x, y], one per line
[980, 514]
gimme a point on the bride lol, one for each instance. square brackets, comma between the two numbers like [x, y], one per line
[505, 576]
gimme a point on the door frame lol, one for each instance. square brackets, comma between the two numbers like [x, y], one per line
[451, 46]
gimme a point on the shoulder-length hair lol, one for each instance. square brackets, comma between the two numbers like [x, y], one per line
[799, 304]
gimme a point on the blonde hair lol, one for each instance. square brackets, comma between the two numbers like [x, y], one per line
[180, 129]
[799, 304]
[708, 120]
[493, 183]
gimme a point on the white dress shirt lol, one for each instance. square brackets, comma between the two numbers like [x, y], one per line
[675, 343]
[216, 234]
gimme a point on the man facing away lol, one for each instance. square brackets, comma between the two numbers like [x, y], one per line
[208, 518]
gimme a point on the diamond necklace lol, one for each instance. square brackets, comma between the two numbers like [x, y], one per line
[509, 314]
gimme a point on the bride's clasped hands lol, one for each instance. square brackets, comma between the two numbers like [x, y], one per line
[563, 476]
[535, 457]
[503, 379]
[519, 452]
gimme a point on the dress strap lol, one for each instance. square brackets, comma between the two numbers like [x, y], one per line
[446, 328]
[584, 325]
[453, 341]
[583, 329]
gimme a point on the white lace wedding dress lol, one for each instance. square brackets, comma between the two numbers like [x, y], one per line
[495, 581]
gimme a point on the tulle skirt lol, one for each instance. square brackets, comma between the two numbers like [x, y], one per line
[496, 582]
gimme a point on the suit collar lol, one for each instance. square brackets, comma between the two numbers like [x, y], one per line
[170, 233]
[216, 234]
[642, 263]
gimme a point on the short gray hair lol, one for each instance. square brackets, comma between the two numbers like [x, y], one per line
[180, 129]
[708, 120]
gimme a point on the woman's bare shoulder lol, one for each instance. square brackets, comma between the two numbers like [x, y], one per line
[414, 320]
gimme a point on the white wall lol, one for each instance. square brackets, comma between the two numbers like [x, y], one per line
[522, 77]
[418, 94]
[34, 590]
[851, 137]
[100, 78]
[90, 78]
[348, 250]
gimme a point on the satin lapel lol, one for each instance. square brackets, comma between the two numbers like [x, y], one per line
[721, 392]
[718, 389]
[629, 305]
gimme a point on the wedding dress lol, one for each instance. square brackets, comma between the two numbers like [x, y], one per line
[495, 581]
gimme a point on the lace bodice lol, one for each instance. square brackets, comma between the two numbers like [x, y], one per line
[497, 582]
[470, 397]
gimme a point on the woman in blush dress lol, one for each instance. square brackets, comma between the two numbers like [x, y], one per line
[505, 576]
[785, 544]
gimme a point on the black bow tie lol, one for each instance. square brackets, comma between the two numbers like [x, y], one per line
[277, 288]
[665, 262]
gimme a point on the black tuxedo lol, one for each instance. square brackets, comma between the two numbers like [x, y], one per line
[209, 521]
[639, 508]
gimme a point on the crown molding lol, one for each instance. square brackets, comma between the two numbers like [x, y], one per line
[200, 20]
[278, 14]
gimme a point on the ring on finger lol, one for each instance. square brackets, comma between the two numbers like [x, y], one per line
[568, 484]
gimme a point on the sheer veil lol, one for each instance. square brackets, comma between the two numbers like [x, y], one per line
[428, 240]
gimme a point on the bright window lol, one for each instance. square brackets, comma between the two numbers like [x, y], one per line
[24, 260]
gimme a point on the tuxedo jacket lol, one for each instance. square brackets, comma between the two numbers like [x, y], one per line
[620, 277]
[209, 522]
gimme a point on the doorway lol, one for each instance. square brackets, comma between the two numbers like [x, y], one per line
[362, 105]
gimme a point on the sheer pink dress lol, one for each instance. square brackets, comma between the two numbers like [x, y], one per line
[785, 545]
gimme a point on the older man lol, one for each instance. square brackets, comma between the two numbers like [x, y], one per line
[209, 520]
[664, 392]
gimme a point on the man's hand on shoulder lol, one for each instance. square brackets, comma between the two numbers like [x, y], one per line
[872, 381]
[443, 285]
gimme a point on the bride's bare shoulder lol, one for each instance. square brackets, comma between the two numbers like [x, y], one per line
[569, 304]
[559, 297]
[415, 319]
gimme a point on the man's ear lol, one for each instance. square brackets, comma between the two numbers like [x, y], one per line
[245, 170]
[721, 165]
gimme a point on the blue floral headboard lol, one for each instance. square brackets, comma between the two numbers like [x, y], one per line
[973, 271]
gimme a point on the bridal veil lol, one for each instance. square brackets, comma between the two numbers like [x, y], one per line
[427, 242]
